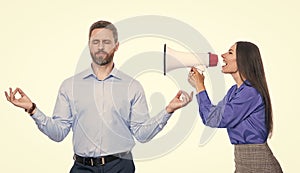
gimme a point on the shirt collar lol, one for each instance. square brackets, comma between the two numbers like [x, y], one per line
[90, 73]
[244, 84]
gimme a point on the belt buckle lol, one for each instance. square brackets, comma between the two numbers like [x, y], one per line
[102, 161]
[92, 162]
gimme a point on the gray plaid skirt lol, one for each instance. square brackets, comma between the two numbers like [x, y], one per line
[255, 158]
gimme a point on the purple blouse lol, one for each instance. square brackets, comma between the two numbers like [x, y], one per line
[241, 111]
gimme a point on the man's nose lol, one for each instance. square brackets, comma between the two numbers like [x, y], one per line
[100, 46]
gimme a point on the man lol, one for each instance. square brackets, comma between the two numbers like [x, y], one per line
[104, 107]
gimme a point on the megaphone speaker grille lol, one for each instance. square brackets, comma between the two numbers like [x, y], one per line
[213, 60]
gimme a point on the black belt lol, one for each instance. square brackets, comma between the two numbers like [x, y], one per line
[94, 161]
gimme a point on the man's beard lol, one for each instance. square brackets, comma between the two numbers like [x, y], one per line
[102, 60]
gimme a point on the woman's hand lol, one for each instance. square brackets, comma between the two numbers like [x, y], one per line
[196, 80]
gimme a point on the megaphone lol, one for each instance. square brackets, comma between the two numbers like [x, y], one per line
[174, 59]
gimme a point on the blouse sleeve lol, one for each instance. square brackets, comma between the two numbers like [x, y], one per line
[234, 108]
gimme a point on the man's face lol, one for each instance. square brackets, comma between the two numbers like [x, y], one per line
[102, 46]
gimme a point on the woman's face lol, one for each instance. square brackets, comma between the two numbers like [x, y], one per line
[229, 60]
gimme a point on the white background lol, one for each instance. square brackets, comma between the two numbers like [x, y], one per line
[41, 42]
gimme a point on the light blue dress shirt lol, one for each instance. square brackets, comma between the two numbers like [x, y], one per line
[104, 115]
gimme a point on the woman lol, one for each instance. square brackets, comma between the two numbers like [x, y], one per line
[245, 111]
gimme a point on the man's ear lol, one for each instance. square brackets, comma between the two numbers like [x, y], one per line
[117, 46]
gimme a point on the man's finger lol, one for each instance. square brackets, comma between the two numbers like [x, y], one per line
[21, 92]
[14, 93]
[7, 97]
[191, 95]
[185, 98]
[178, 94]
[11, 97]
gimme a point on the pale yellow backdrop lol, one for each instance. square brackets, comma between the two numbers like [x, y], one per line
[41, 41]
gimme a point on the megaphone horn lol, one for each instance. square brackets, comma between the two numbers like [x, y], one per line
[174, 59]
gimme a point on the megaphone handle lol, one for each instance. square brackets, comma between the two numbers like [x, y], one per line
[200, 68]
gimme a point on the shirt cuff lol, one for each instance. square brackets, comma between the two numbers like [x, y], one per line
[163, 118]
[38, 116]
[167, 115]
[202, 97]
[201, 94]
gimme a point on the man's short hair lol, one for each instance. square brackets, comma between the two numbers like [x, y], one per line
[106, 25]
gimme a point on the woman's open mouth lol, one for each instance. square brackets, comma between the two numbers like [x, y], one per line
[224, 64]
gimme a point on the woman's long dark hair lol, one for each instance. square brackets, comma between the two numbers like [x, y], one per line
[250, 67]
